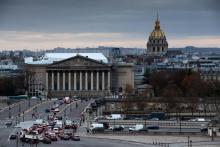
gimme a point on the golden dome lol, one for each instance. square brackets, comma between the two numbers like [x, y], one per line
[157, 33]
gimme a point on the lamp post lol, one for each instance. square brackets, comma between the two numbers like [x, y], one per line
[23, 116]
[188, 140]
[9, 109]
[212, 133]
[19, 109]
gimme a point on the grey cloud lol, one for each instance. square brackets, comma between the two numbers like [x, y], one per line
[178, 17]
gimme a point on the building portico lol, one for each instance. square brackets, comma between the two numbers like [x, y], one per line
[78, 76]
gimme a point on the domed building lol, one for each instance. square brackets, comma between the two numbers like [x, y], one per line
[157, 44]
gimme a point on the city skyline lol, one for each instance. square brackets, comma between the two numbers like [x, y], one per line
[27, 24]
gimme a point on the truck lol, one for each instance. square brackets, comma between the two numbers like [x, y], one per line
[96, 128]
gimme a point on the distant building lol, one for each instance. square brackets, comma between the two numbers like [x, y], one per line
[82, 74]
[8, 68]
[157, 44]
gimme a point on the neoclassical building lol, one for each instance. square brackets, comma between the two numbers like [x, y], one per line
[157, 44]
[71, 74]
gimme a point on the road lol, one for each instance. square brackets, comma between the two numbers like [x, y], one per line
[85, 142]
[72, 111]
[14, 109]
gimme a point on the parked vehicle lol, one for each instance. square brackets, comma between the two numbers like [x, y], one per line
[115, 116]
[159, 115]
[153, 127]
[117, 128]
[197, 119]
[136, 127]
[96, 128]
[154, 119]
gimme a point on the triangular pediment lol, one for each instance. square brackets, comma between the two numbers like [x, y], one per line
[78, 61]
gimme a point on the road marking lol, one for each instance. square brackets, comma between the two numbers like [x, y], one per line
[34, 107]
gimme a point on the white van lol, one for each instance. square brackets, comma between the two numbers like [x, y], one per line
[137, 127]
[96, 128]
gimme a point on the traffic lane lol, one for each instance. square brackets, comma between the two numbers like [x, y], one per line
[20, 107]
[85, 142]
[4, 135]
[75, 112]
[166, 130]
[40, 110]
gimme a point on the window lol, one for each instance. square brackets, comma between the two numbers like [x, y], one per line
[153, 49]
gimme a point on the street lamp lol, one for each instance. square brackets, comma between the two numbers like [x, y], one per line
[188, 140]
[19, 109]
[212, 133]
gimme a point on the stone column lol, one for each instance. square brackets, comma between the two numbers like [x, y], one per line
[52, 81]
[58, 80]
[103, 80]
[80, 80]
[86, 81]
[75, 80]
[46, 87]
[64, 78]
[92, 80]
[97, 80]
[69, 81]
[109, 80]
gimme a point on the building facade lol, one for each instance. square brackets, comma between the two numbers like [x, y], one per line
[78, 76]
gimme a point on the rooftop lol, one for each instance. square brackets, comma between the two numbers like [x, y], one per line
[49, 58]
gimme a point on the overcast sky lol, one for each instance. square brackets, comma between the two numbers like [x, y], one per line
[44, 24]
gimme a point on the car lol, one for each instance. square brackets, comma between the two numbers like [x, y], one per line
[56, 130]
[56, 106]
[154, 119]
[117, 128]
[64, 137]
[33, 97]
[173, 119]
[59, 118]
[50, 133]
[12, 136]
[144, 129]
[56, 110]
[153, 127]
[8, 123]
[47, 110]
[46, 140]
[204, 129]
[52, 137]
[75, 137]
